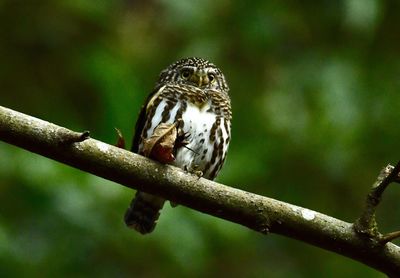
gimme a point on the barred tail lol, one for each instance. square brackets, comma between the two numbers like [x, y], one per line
[143, 213]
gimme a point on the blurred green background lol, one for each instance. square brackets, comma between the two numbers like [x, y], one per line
[315, 96]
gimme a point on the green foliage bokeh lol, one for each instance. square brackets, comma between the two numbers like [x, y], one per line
[315, 97]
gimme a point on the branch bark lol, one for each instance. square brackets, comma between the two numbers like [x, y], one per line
[256, 212]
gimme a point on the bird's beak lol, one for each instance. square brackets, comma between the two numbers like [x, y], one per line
[199, 78]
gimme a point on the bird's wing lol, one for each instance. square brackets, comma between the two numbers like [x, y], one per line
[142, 120]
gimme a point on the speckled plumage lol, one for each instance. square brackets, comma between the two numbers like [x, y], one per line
[193, 91]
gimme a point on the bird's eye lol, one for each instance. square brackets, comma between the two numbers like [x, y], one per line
[211, 77]
[185, 74]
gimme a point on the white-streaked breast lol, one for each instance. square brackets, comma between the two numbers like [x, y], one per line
[197, 123]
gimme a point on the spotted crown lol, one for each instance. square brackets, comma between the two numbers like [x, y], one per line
[176, 73]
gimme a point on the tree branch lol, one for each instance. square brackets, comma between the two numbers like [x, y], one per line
[366, 225]
[256, 212]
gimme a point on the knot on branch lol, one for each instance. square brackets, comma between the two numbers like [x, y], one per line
[67, 137]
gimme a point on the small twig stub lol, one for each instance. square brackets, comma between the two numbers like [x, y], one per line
[70, 137]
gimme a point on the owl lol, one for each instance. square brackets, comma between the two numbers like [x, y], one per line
[194, 93]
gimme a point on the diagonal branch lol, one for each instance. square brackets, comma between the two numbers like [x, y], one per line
[256, 212]
[366, 224]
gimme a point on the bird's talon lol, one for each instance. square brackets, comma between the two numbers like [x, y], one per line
[198, 173]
